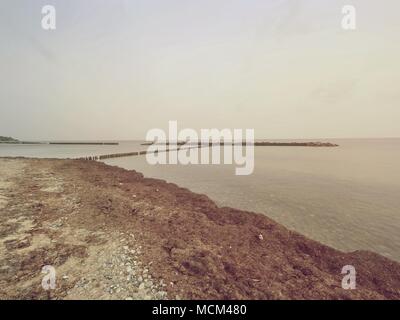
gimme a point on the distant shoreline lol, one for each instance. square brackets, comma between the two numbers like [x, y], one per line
[86, 143]
[61, 143]
[20, 142]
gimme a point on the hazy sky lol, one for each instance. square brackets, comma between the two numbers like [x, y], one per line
[114, 69]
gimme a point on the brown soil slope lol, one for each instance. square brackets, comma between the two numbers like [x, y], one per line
[112, 234]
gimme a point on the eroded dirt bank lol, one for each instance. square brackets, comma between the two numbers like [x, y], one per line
[112, 234]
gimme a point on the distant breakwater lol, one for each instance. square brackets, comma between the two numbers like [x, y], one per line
[87, 143]
[120, 155]
[256, 144]
[207, 144]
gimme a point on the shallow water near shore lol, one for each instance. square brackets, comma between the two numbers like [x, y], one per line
[345, 197]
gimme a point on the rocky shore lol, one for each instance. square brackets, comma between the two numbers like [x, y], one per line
[113, 234]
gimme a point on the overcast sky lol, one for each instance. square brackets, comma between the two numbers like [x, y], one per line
[115, 69]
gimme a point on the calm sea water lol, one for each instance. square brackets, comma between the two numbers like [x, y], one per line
[346, 197]
[66, 151]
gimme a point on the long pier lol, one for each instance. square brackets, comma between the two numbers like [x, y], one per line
[256, 144]
[87, 143]
[120, 155]
[210, 144]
